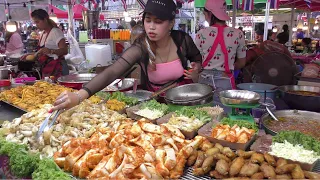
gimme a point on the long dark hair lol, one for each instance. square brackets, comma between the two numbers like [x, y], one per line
[149, 44]
[213, 19]
[43, 15]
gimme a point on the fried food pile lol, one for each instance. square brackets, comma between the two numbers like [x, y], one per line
[233, 134]
[221, 162]
[80, 121]
[33, 97]
[139, 150]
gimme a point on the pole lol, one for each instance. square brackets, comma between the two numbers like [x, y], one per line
[291, 27]
[265, 35]
[194, 20]
[234, 15]
[70, 18]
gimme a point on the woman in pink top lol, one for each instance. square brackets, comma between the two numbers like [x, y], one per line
[161, 52]
[13, 42]
[220, 46]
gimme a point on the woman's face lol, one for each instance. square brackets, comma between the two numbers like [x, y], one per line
[155, 28]
[41, 24]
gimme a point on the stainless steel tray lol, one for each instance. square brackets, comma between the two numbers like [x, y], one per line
[9, 111]
[189, 92]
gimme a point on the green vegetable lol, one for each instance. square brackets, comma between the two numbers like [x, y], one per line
[47, 169]
[296, 137]
[154, 105]
[240, 123]
[24, 164]
[103, 95]
[191, 112]
[120, 96]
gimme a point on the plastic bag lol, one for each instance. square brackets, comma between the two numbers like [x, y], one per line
[75, 56]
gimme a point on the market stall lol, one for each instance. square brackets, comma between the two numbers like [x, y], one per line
[117, 134]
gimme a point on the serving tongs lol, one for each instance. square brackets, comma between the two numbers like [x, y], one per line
[46, 125]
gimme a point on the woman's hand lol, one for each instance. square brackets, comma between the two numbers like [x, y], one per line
[193, 73]
[66, 100]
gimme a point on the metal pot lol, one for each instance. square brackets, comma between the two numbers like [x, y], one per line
[301, 102]
[190, 94]
[260, 88]
[75, 81]
[4, 72]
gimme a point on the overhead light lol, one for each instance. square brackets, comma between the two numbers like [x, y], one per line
[305, 27]
[117, 22]
[107, 22]
[275, 29]
[111, 22]
[53, 17]
[127, 19]
[11, 26]
[316, 27]
[125, 14]
[294, 29]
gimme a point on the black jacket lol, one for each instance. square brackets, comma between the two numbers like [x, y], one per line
[186, 50]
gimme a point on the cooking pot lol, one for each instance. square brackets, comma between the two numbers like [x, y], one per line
[4, 72]
[298, 101]
[75, 81]
[260, 88]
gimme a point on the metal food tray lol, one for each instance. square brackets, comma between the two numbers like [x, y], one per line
[187, 175]
[9, 111]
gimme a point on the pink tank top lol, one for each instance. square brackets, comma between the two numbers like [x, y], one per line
[166, 72]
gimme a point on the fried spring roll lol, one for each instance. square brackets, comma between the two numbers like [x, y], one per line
[285, 169]
[270, 159]
[236, 166]
[249, 169]
[297, 172]
[268, 171]
[257, 158]
[258, 175]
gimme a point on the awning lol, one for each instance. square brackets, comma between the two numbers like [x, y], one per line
[77, 10]
[301, 4]
[58, 12]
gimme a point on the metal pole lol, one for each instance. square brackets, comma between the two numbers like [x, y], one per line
[291, 27]
[70, 18]
[194, 20]
[265, 35]
[234, 15]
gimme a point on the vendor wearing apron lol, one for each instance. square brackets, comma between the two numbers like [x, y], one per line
[52, 46]
[220, 45]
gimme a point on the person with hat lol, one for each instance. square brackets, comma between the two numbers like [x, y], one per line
[161, 52]
[223, 48]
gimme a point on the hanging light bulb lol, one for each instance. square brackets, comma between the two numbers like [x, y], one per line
[125, 14]
[305, 27]
[11, 26]
[316, 27]
[111, 22]
[117, 22]
[294, 29]
[54, 18]
[275, 29]
[127, 19]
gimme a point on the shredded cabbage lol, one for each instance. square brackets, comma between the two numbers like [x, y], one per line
[293, 152]
[150, 114]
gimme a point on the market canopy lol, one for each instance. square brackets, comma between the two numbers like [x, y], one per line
[77, 10]
[301, 4]
[58, 12]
